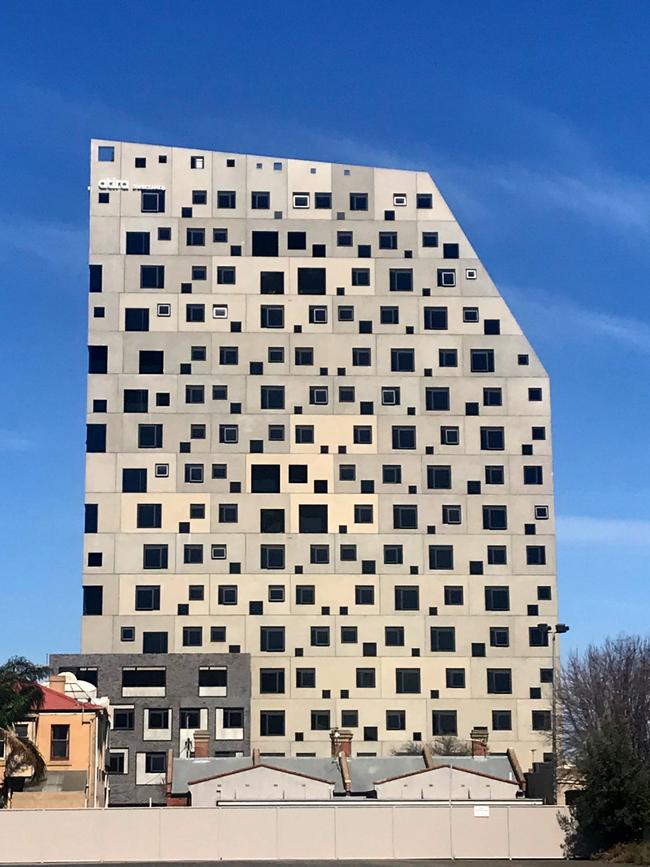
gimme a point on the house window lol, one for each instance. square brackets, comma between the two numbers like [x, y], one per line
[444, 722]
[272, 723]
[401, 280]
[260, 201]
[358, 201]
[226, 199]
[499, 681]
[482, 360]
[407, 680]
[60, 742]
[443, 639]
[155, 763]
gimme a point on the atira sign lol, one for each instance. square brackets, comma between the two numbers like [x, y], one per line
[120, 184]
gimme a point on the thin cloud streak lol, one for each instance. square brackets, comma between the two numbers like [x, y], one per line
[60, 245]
[11, 441]
[597, 196]
[545, 309]
[582, 529]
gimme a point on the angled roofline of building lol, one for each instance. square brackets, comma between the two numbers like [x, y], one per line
[269, 156]
[439, 767]
[58, 702]
[259, 765]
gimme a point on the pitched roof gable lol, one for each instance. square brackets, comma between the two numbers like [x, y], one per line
[441, 767]
[260, 765]
[58, 701]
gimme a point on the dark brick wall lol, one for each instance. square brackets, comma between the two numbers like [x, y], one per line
[181, 691]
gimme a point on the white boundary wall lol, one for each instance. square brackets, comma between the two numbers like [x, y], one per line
[282, 832]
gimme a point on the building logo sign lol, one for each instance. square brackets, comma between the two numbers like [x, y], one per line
[121, 184]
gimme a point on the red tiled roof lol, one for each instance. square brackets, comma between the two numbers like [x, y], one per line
[57, 701]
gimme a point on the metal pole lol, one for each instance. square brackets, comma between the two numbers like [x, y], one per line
[554, 720]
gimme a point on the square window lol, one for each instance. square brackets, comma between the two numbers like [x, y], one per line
[401, 279]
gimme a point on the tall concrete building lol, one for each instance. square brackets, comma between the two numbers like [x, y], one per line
[318, 436]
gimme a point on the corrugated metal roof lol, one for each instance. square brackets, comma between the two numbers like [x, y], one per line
[60, 781]
[365, 771]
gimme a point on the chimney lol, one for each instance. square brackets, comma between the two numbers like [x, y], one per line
[341, 742]
[479, 738]
[427, 755]
[201, 744]
[256, 756]
[57, 683]
[345, 772]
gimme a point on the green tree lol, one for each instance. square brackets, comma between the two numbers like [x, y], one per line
[605, 732]
[20, 695]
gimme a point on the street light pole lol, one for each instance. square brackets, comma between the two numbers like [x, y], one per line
[560, 629]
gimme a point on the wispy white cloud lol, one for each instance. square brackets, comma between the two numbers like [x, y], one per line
[603, 531]
[61, 245]
[595, 195]
[12, 441]
[557, 317]
[562, 172]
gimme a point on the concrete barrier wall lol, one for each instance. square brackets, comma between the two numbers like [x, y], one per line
[345, 831]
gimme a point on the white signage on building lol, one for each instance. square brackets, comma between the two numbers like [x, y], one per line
[482, 811]
[121, 184]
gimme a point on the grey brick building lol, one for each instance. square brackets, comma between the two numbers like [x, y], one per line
[158, 701]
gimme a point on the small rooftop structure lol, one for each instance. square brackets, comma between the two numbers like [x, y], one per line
[376, 777]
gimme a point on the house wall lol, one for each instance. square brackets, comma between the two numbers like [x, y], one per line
[443, 784]
[259, 784]
[82, 739]
[87, 750]
[273, 832]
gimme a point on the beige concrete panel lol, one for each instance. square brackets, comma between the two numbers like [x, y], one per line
[391, 186]
[197, 831]
[105, 235]
[306, 833]
[364, 832]
[477, 836]
[239, 843]
[421, 833]
[536, 834]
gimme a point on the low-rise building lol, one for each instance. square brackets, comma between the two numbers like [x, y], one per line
[70, 730]
[158, 702]
[205, 781]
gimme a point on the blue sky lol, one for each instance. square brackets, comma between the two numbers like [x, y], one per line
[531, 118]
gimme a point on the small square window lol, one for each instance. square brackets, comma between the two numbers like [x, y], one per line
[106, 154]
